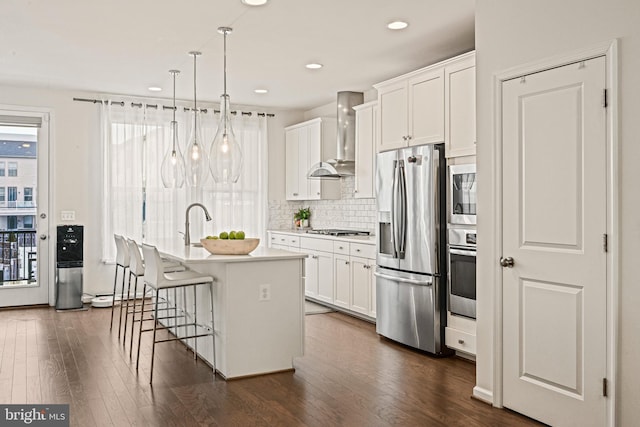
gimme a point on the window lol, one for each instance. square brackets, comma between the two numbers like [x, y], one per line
[12, 222]
[13, 193]
[13, 168]
[28, 221]
[2, 168]
[2, 195]
[138, 205]
[28, 194]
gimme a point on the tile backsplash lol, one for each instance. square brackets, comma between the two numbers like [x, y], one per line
[346, 213]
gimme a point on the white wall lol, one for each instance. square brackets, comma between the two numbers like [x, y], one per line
[512, 33]
[76, 171]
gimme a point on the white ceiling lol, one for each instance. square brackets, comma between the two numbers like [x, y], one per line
[125, 46]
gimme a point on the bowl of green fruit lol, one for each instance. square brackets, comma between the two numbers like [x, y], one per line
[230, 243]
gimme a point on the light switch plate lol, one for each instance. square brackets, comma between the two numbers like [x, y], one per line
[68, 215]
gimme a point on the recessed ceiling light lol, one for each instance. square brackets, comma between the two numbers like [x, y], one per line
[155, 89]
[254, 2]
[261, 91]
[397, 25]
[313, 66]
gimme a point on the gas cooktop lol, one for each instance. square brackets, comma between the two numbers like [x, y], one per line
[337, 232]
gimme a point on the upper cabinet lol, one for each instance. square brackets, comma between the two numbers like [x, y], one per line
[432, 105]
[306, 144]
[365, 150]
[410, 109]
[460, 106]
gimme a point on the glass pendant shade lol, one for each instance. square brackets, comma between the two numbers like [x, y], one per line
[225, 157]
[196, 158]
[172, 171]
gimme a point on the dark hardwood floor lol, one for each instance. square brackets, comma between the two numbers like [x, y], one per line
[348, 377]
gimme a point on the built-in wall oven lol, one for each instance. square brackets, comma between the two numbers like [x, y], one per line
[462, 272]
[462, 194]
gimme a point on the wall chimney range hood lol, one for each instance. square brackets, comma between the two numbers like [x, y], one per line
[344, 163]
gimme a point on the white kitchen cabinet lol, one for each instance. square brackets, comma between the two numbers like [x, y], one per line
[460, 334]
[342, 280]
[363, 286]
[306, 144]
[337, 272]
[460, 106]
[365, 150]
[411, 109]
[324, 262]
[318, 268]
[284, 241]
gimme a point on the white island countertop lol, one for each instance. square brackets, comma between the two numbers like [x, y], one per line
[175, 249]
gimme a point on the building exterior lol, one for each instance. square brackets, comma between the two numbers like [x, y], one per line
[18, 186]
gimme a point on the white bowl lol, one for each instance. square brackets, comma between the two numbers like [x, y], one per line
[230, 247]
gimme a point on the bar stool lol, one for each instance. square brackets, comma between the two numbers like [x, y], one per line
[157, 280]
[122, 261]
[136, 269]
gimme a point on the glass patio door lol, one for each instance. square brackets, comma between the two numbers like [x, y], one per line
[24, 208]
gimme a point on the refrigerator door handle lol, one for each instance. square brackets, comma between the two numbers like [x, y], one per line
[402, 234]
[404, 280]
[394, 207]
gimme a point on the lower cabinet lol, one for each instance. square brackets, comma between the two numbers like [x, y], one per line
[355, 285]
[337, 272]
[319, 271]
[460, 334]
[363, 286]
[342, 274]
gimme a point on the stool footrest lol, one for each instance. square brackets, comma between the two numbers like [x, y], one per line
[184, 338]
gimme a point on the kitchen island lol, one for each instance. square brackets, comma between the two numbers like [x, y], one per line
[258, 305]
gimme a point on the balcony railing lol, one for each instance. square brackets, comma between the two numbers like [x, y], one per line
[18, 256]
[17, 205]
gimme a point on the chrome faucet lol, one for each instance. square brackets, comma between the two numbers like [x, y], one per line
[187, 237]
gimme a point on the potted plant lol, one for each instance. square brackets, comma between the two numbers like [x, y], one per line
[302, 217]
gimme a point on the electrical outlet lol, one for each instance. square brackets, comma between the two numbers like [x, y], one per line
[68, 215]
[264, 292]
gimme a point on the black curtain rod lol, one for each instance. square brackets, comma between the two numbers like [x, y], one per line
[165, 107]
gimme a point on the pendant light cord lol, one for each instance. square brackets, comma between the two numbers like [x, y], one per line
[225, 63]
[174, 72]
[195, 108]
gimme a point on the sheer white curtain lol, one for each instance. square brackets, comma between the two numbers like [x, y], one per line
[136, 205]
[243, 205]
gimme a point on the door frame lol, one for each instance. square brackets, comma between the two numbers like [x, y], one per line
[47, 116]
[609, 51]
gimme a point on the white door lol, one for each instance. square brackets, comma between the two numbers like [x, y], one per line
[554, 220]
[24, 208]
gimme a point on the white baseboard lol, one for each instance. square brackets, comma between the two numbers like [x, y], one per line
[483, 394]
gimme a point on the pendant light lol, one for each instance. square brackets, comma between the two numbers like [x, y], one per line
[196, 159]
[172, 170]
[225, 157]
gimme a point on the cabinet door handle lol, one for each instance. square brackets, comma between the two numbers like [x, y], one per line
[295, 194]
[318, 193]
[460, 341]
[340, 247]
[346, 263]
[357, 250]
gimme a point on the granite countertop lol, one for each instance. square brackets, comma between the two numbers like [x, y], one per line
[355, 239]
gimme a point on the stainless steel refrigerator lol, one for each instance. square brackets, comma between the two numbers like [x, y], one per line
[411, 241]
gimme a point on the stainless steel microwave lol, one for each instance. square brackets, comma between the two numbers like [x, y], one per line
[462, 194]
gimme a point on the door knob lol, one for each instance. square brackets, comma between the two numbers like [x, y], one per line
[43, 237]
[507, 262]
